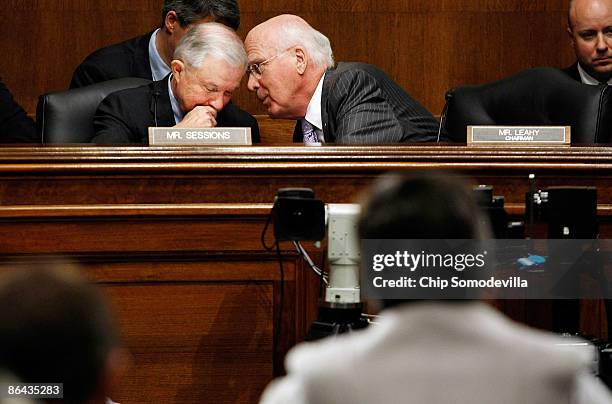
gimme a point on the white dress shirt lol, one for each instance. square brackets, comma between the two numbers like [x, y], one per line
[313, 111]
[588, 79]
[159, 68]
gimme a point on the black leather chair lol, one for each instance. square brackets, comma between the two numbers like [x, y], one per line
[541, 96]
[67, 116]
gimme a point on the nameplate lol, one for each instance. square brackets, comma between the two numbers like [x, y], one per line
[159, 136]
[518, 135]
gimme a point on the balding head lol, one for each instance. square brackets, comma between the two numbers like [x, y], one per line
[580, 9]
[284, 31]
[590, 30]
[291, 57]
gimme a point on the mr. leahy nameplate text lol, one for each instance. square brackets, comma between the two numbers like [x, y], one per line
[518, 135]
[199, 136]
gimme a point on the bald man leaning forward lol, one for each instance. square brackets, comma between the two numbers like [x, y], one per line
[590, 30]
[291, 69]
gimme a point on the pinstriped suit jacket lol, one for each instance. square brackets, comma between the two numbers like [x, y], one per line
[360, 104]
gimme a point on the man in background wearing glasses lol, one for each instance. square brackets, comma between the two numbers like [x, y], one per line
[291, 69]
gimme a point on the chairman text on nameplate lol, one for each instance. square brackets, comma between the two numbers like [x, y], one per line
[518, 135]
[199, 136]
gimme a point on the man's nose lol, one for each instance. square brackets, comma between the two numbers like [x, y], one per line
[217, 102]
[602, 43]
[252, 83]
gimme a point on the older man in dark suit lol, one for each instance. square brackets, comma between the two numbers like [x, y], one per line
[207, 68]
[292, 72]
[590, 30]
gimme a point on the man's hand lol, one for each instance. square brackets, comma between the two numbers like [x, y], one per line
[199, 117]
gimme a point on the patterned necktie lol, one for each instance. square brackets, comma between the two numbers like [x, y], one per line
[309, 132]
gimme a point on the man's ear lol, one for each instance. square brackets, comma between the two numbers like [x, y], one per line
[570, 33]
[178, 68]
[301, 60]
[171, 21]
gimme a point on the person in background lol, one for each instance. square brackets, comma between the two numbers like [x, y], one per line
[149, 56]
[15, 125]
[590, 30]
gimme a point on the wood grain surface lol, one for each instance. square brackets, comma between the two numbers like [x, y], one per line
[426, 46]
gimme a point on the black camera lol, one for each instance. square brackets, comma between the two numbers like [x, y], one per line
[298, 215]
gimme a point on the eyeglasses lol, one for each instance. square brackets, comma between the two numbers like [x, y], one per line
[256, 69]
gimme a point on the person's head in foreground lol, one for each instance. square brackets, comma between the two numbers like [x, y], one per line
[431, 351]
[422, 206]
[55, 327]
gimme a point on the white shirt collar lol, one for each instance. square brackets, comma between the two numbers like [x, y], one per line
[176, 108]
[159, 68]
[588, 79]
[313, 112]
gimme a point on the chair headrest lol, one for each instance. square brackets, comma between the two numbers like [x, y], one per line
[541, 96]
[67, 116]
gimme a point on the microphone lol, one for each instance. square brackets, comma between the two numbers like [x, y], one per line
[156, 95]
[448, 97]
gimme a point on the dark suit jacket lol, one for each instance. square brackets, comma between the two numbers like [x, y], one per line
[125, 116]
[572, 71]
[15, 125]
[360, 104]
[125, 59]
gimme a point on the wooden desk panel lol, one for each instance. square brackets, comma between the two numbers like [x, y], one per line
[172, 234]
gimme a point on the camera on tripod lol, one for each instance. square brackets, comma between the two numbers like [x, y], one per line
[299, 216]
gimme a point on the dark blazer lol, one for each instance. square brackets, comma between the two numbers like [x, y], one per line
[125, 116]
[572, 71]
[15, 125]
[125, 59]
[360, 104]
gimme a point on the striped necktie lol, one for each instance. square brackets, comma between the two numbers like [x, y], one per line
[308, 130]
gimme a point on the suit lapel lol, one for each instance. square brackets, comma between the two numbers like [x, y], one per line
[328, 127]
[161, 97]
[298, 136]
[142, 65]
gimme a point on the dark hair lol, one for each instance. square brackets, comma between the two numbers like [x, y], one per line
[422, 205]
[225, 12]
[54, 328]
[416, 206]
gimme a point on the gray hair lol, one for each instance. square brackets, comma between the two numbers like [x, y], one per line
[315, 43]
[211, 40]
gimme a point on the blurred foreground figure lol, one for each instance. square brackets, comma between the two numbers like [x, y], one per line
[55, 327]
[434, 352]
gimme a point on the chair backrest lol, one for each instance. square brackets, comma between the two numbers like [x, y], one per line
[541, 96]
[67, 116]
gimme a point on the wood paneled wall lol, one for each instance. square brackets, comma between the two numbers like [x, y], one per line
[428, 46]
